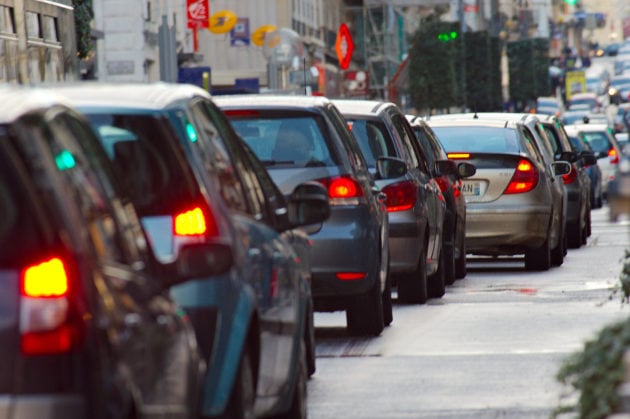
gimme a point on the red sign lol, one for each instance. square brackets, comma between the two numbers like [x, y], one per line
[344, 46]
[197, 13]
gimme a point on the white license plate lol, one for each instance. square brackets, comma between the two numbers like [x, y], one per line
[473, 188]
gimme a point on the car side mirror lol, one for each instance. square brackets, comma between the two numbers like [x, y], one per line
[588, 158]
[199, 260]
[308, 204]
[561, 168]
[390, 167]
[445, 168]
[570, 156]
[465, 169]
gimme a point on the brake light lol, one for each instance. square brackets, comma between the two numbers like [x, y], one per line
[570, 177]
[351, 276]
[524, 179]
[457, 190]
[401, 196]
[195, 222]
[44, 309]
[613, 156]
[240, 112]
[458, 156]
[442, 183]
[47, 279]
[343, 190]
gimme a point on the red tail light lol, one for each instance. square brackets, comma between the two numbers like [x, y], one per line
[613, 156]
[442, 183]
[458, 156]
[351, 276]
[457, 191]
[343, 190]
[570, 177]
[195, 222]
[400, 196]
[525, 178]
[241, 112]
[44, 309]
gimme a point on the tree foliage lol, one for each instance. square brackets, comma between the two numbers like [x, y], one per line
[528, 62]
[83, 15]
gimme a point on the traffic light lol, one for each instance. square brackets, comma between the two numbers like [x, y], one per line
[571, 2]
[447, 36]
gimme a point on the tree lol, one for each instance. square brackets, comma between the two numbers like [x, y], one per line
[83, 15]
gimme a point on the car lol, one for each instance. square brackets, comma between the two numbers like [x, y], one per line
[416, 211]
[589, 100]
[88, 323]
[511, 205]
[592, 169]
[177, 157]
[577, 182]
[549, 106]
[451, 187]
[604, 145]
[349, 253]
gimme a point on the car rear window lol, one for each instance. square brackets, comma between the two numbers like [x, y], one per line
[150, 160]
[478, 139]
[292, 141]
[597, 140]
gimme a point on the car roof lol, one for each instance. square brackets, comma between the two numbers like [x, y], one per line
[271, 101]
[16, 101]
[586, 127]
[462, 120]
[133, 95]
[361, 107]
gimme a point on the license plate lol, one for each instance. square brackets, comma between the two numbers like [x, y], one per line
[472, 188]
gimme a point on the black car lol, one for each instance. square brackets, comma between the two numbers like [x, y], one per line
[88, 328]
[451, 186]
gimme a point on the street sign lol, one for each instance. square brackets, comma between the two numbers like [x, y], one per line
[344, 46]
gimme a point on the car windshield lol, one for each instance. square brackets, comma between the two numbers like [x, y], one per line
[373, 139]
[297, 141]
[478, 139]
[152, 173]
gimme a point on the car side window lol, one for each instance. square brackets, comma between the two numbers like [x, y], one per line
[530, 144]
[223, 139]
[349, 143]
[425, 141]
[406, 137]
[89, 192]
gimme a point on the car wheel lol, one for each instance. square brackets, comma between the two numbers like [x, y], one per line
[309, 338]
[388, 310]
[241, 402]
[437, 282]
[538, 259]
[412, 286]
[365, 314]
[297, 410]
[460, 262]
[449, 263]
[574, 235]
[588, 223]
[557, 254]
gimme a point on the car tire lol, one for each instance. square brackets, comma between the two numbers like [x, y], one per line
[309, 338]
[538, 259]
[437, 282]
[460, 262]
[557, 254]
[412, 286]
[364, 316]
[449, 263]
[241, 402]
[574, 235]
[388, 309]
[298, 407]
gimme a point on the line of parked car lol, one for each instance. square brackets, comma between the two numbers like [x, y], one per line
[165, 250]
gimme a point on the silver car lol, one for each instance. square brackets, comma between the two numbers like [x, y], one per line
[510, 200]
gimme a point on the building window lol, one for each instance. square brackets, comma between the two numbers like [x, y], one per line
[7, 22]
[49, 29]
[33, 27]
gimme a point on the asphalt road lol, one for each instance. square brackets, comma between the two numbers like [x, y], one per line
[490, 348]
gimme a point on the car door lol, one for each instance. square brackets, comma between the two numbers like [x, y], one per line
[150, 341]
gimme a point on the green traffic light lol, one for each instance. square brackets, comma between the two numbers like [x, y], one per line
[65, 160]
[571, 2]
[445, 37]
